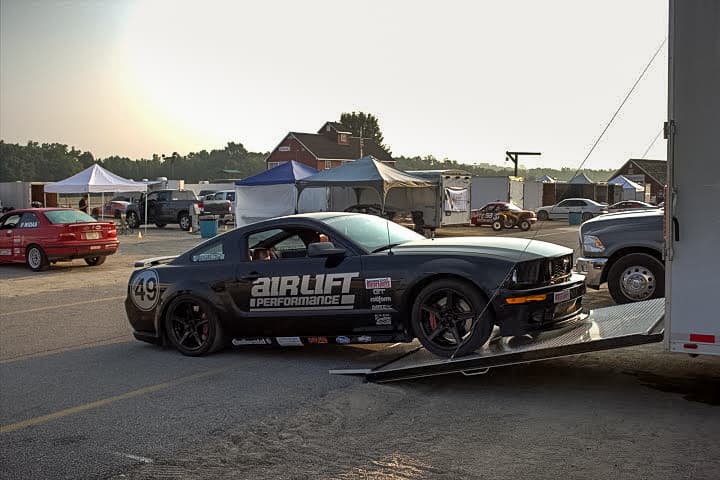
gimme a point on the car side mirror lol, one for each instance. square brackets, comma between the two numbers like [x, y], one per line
[324, 249]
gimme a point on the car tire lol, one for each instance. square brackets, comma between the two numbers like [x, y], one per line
[132, 219]
[508, 222]
[184, 221]
[636, 277]
[497, 225]
[36, 259]
[524, 225]
[586, 216]
[96, 261]
[451, 318]
[542, 215]
[161, 225]
[192, 327]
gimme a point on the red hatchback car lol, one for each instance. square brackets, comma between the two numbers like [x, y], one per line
[38, 236]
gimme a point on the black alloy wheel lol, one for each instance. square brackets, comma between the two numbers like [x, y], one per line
[451, 317]
[95, 261]
[192, 327]
[132, 220]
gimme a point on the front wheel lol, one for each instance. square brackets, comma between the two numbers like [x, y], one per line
[451, 317]
[184, 221]
[36, 259]
[524, 225]
[132, 219]
[192, 327]
[95, 261]
[636, 277]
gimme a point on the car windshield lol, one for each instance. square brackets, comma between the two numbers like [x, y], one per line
[513, 208]
[371, 232]
[68, 216]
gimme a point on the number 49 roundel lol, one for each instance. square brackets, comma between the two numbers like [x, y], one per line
[144, 289]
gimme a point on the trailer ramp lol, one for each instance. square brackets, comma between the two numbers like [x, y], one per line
[602, 329]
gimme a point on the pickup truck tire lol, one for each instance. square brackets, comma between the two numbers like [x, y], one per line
[636, 277]
[132, 220]
[184, 221]
[161, 225]
[543, 215]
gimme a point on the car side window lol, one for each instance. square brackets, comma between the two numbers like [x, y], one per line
[564, 203]
[10, 222]
[214, 252]
[163, 196]
[29, 220]
[152, 196]
[231, 196]
[281, 244]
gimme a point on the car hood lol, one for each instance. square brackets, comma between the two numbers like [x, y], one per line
[513, 249]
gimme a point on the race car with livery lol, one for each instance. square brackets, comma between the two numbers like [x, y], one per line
[41, 236]
[336, 277]
[501, 215]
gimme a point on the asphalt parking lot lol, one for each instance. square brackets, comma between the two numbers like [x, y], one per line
[79, 398]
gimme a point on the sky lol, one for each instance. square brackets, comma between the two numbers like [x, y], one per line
[464, 80]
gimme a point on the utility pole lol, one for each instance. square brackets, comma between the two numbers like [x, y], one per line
[361, 141]
[513, 157]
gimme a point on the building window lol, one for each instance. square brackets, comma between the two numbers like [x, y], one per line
[343, 138]
[328, 164]
[274, 164]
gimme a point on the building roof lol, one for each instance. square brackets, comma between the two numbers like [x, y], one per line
[325, 148]
[338, 127]
[655, 169]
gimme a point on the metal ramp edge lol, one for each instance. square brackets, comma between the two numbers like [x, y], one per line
[602, 329]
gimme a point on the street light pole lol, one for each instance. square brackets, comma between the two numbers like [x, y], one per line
[513, 157]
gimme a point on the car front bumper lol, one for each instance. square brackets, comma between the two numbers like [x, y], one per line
[538, 308]
[592, 268]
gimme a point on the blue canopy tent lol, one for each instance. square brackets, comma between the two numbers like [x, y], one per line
[631, 190]
[272, 193]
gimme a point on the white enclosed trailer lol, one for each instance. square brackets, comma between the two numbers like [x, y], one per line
[688, 319]
[447, 204]
[497, 189]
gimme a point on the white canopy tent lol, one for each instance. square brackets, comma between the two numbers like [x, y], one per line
[95, 179]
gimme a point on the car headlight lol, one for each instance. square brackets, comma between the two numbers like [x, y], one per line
[592, 244]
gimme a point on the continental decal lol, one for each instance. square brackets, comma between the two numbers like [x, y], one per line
[306, 292]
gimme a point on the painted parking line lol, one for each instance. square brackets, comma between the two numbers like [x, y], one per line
[105, 401]
[64, 305]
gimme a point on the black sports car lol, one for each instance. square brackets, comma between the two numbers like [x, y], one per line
[350, 278]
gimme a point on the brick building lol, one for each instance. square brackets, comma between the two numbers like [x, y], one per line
[651, 174]
[330, 147]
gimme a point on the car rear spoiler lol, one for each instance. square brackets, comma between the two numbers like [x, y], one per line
[151, 262]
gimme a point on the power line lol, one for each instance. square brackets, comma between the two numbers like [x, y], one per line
[621, 105]
[652, 144]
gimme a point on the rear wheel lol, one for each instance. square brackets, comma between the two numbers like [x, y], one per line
[192, 326]
[508, 222]
[543, 215]
[586, 216]
[95, 261]
[132, 220]
[636, 277]
[36, 258]
[451, 317]
[497, 225]
[184, 221]
[524, 225]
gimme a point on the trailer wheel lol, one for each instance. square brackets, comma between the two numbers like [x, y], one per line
[636, 277]
[451, 317]
[497, 225]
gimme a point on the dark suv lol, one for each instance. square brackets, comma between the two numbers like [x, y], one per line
[163, 207]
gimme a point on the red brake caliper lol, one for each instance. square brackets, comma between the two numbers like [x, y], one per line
[433, 322]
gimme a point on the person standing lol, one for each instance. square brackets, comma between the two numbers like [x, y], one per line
[84, 203]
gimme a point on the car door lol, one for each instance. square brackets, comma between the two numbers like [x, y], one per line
[7, 237]
[561, 210]
[290, 294]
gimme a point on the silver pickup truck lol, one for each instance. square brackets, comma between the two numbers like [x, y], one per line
[626, 250]
[220, 203]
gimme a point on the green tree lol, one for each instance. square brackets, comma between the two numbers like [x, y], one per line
[365, 123]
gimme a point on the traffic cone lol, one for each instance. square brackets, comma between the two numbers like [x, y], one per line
[139, 235]
[190, 229]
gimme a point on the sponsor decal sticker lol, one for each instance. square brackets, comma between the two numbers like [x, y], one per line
[251, 341]
[144, 290]
[372, 283]
[382, 319]
[342, 340]
[289, 341]
[306, 292]
[317, 340]
[5, 251]
[208, 257]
